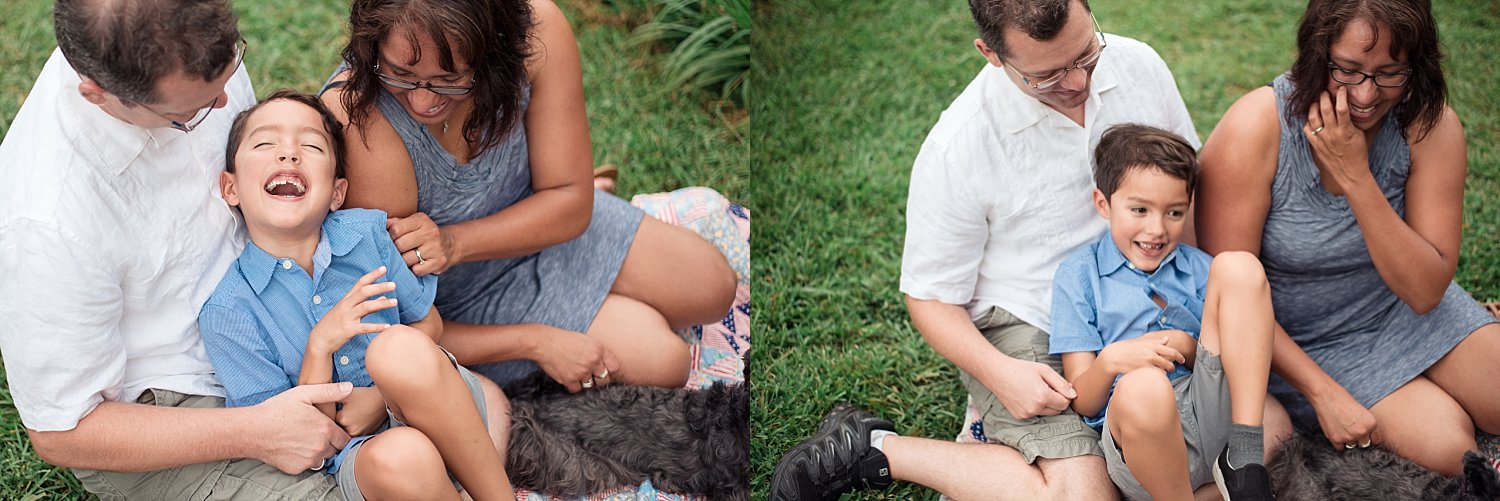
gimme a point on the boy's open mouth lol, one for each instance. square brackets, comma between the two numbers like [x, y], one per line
[286, 184]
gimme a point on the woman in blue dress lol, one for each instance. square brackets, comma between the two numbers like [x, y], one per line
[466, 125]
[1346, 176]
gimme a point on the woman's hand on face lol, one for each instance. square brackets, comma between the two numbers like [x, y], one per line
[1345, 422]
[427, 249]
[1337, 145]
[576, 360]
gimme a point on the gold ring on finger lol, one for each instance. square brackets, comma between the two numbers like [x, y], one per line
[1317, 130]
[588, 384]
[1348, 446]
[1364, 444]
[419, 256]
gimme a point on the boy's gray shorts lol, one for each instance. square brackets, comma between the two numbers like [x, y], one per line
[347, 482]
[1060, 436]
[1203, 405]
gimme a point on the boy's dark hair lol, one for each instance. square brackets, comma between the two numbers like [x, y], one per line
[493, 36]
[1038, 19]
[127, 46]
[330, 124]
[1128, 147]
[1412, 31]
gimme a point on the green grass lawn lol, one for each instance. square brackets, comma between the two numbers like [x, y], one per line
[662, 139]
[847, 94]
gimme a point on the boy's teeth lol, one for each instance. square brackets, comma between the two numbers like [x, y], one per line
[285, 187]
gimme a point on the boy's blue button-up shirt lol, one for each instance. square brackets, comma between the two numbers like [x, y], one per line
[257, 322]
[1099, 298]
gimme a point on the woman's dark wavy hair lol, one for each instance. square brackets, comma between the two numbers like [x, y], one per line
[1412, 31]
[494, 36]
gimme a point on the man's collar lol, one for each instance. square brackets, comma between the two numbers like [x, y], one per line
[106, 140]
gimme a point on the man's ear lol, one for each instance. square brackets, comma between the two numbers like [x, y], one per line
[989, 55]
[92, 92]
[340, 186]
[228, 189]
[1101, 204]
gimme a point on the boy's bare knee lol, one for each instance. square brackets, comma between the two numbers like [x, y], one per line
[1240, 268]
[403, 356]
[401, 463]
[1143, 403]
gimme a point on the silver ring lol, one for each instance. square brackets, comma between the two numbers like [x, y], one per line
[1317, 130]
[1348, 446]
[588, 384]
[603, 375]
[1364, 444]
[419, 256]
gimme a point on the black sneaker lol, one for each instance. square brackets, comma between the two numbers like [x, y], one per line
[1251, 482]
[837, 459]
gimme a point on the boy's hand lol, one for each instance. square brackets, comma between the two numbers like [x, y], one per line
[345, 320]
[363, 412]
[1150, 350]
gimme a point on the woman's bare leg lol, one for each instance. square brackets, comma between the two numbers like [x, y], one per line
[664, 257]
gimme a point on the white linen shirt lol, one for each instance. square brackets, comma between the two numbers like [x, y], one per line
[111, 238]
[1002, 189]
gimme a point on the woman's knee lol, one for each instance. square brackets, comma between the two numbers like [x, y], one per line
[401, 463]
[1143, 404]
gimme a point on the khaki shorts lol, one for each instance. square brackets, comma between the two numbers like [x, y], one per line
[1060, 436]
[220, 480]
[1203, 405]
[350, 454]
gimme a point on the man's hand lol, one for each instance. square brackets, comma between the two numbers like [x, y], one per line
[572, 359]
[297, 437]
[1030, 389]
[1150, 350]
[363, 412]
[346, 319]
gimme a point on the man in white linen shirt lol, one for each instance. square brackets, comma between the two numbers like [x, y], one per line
[112, 236]
[999, 194]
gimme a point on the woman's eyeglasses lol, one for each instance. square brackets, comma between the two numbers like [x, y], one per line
[405, 85]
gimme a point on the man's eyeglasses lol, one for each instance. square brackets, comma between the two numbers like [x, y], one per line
[405, 85]
[202, 113]
[1087, 62]
[1355, 77]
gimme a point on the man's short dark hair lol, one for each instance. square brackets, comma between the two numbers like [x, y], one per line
[1038, 19]
[1128, 147]
[330, 124]
[126, 46]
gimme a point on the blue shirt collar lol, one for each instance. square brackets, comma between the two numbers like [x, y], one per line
[1111, 259]
[257, 265]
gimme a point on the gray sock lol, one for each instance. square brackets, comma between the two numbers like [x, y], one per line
[1247, 445]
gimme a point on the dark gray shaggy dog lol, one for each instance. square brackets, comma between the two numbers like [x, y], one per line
[684, 441]
[1307, 468]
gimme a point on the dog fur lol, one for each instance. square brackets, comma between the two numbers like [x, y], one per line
[1307, 468]
[685, 441]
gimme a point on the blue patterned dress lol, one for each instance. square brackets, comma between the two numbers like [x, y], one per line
[562, 286]
[1325, 288]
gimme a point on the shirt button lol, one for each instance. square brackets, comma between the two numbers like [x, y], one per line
[317, 299]
[1164, 319]
[286, 264]
[344, 360]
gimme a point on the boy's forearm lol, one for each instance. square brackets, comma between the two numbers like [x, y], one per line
[1090, 379]
[131, 437]
[317, 368]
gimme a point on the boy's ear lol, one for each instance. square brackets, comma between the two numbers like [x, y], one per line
[228, 189]
[340, 186]
[1101, 203]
